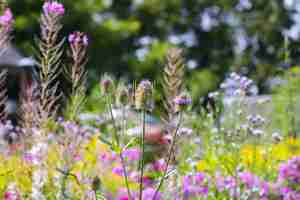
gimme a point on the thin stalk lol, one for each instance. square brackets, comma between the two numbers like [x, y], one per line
[142, 146]
[116, 136]
[174, 137]
[122, 158]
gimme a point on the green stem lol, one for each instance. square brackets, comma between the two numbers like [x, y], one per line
[123, 161]
[170, 153]
[116, 137]
[142, 146]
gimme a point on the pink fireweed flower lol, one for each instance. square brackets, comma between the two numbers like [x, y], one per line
[78, 38]
[148, 194]
[159, 165]
[53, 8]
[12, 193]
[7, 18]
[132, 154]
[118, 170]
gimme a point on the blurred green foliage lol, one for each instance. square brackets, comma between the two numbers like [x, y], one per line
[130, 37]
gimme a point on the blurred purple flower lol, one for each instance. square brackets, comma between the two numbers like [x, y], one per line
[148, 194]
[195, 186]
[118, 170]
[132, 154]
[159, 165]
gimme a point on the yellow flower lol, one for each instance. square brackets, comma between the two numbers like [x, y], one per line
[202, 165]
[286, 149]
[252, 156]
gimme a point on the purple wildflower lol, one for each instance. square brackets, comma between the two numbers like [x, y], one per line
[132, 154]
[54, 8]
[148, 194]
[118, 170]
[290, 171]
[182, 100]
[159, 165]
[195, 185]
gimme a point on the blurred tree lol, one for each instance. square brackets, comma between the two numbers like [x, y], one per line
[130, 37]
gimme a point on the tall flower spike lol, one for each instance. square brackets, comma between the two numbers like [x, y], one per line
[78, 44]
[143, 96]
[29, 99]
[77, 74]
[50, 49]
[172, 80]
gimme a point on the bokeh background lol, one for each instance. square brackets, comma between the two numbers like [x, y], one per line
[129, 38]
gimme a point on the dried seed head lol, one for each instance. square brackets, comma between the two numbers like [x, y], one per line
[106, 84]
[122, 95]
[143, 96]
[182, 101]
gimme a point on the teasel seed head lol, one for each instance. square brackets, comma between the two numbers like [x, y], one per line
[122, 95]
[143, 96]
[106, 85]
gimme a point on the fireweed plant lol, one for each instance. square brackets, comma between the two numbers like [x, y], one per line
[228, 151]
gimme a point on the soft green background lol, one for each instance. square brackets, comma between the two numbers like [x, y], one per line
[115, 28]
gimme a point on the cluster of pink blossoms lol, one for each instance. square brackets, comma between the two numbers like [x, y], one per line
[7, 19]
[78, 38]
[54, 8]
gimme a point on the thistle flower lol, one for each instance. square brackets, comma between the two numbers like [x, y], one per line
[53, 8]
[143, 96]
[182, 101]
[7, 19]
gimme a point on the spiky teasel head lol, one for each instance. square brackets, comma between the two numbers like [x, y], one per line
[172, 79]
[143, 95]
[182, 101]
[122, 95]
[106, 84]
